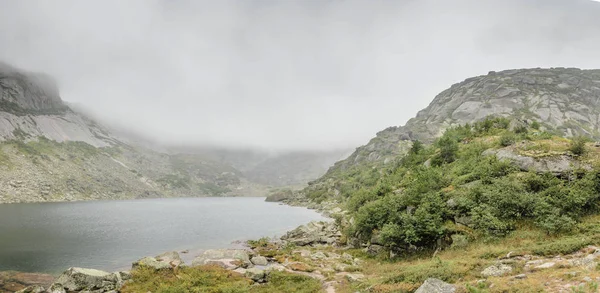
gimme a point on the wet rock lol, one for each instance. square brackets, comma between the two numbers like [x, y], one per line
[432, 285]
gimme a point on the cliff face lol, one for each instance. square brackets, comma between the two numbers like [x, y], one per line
[564, 100]
[29, 92]
[30, 107]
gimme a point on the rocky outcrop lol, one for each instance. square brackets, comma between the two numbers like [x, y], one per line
[565, 100]
[165, 261]
[558, 164]
[26, 91]
[313, 233]
[233, 258]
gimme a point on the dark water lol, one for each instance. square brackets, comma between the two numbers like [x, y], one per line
[109, 235]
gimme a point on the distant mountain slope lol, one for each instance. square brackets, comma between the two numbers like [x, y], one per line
[565, 100]
[284, 168]
[48, 152]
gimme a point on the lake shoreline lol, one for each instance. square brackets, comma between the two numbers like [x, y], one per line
[19, 280]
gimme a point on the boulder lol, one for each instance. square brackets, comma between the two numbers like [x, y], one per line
[255, 274]
[56, 288]
[313, 232]
[432, 285]
[78, 279]
[216, 254]
[33, 289]
[226, 263]
[259, 260]
[496, 270]
[165, 261]
[300, 267]
[275, 267]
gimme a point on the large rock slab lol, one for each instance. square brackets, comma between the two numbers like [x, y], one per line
[78, 279]
[312, 233]
[433, 285]
[219, 254]
[165, 261]
[555, 164]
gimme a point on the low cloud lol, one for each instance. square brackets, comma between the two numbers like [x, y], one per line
[283, 74]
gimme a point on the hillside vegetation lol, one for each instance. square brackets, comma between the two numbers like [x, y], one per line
[457, 189]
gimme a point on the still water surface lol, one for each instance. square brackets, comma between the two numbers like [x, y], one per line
[109, 235]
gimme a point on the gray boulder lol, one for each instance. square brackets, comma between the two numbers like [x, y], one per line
[78, 279]
[226, 263]
[433, 285]
[313, 232]
[259, 260]
[165, 261]
[255, 274]
[496, 270]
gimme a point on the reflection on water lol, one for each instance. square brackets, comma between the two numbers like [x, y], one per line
[109, 235]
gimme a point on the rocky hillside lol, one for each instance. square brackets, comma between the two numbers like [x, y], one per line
[564, 100]
[48, 152]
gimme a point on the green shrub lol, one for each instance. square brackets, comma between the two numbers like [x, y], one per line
[577, 146]
[507, 139]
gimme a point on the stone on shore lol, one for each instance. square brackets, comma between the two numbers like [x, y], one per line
[78, 279]
[259, 260]
[165, 261]
[219, 254]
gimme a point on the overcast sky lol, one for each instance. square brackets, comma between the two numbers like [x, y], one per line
[311, 74]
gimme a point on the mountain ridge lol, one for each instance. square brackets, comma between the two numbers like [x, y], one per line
[565, 100]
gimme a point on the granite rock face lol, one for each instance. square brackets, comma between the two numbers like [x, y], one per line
[565, 100]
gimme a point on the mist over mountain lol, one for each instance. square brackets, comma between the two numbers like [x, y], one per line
[283, 75]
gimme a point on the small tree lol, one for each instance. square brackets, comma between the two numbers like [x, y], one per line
[578, 145]
[417, 147]
[448, 149]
